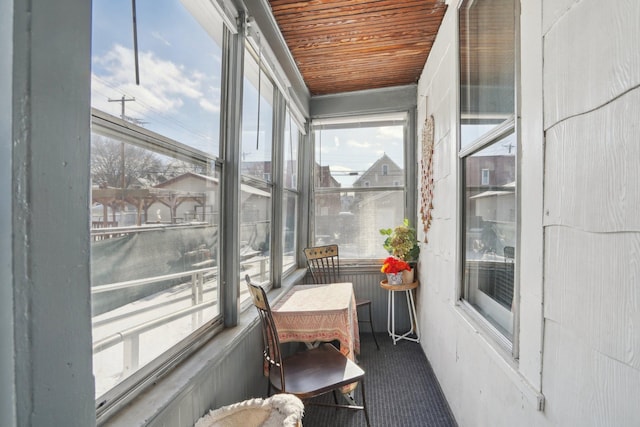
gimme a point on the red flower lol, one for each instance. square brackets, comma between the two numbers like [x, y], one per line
[394, 265]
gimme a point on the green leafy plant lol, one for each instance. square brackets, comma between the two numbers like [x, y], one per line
[401, 242]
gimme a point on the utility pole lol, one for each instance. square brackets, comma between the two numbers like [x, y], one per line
[122, 101]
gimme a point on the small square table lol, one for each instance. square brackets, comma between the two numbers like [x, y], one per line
[311, 313]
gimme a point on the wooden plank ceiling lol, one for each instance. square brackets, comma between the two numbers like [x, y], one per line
[347, 45]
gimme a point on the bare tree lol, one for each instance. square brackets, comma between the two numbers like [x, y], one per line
[108, 157]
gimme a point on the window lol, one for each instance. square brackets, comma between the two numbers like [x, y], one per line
[291, 196]
[155, 198]
[257, 119]
[485, 177]
[255, 166]
[488, 145]
[353, 197]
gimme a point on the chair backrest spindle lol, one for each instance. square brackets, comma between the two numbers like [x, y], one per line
[323, 263]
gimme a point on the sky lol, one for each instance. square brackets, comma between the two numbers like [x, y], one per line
[179, 68]
[355, 150]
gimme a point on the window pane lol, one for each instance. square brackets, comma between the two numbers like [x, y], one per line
[154, 254]
[289, 219]
[290, 198]
[179, 68]
[490, 232]
[487, 66]
[360, 157]
[367, 152]
[256, 157]
[155, 195]
[255, 235]
[291, 138]
[354, 219]
[257, 121]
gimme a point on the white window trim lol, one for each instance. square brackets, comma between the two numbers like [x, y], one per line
[494, 342]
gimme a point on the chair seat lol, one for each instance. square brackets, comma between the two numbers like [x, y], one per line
[361, 302]
[317, 371]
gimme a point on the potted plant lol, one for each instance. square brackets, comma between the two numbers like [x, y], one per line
[401, 242]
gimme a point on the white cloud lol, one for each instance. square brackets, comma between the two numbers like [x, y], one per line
[390, 132]
[209, 106]
[358, 144]
[211, 100]
[164, 85]
[158, 36]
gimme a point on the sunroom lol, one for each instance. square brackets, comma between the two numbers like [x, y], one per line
[158, 152]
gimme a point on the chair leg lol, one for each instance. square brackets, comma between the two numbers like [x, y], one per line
[364, 403]
[372, 331]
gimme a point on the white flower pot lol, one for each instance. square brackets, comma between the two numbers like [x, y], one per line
[394, 278]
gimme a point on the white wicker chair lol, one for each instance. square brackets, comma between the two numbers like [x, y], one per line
[279, 410]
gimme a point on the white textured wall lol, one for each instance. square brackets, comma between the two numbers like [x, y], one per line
[592, 226]
[482, 387]
[579, 339]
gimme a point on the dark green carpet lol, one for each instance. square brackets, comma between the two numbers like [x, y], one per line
[401, 390]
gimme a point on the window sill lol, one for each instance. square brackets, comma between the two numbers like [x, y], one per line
[500, 354]
[151, 403]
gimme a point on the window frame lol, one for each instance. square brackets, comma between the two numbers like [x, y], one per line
[265, 77]
[103, 123]
[110, 402]
[510, 124]
[290, 126]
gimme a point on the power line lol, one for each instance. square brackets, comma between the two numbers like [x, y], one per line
[154, 114]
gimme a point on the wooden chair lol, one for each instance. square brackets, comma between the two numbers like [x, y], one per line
[324, 265]
[305, 374]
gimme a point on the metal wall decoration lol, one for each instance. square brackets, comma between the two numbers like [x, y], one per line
[426, 190]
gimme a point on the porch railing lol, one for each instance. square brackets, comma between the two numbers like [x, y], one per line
[130, 337]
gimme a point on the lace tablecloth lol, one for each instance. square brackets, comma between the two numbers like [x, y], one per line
[311, 313]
